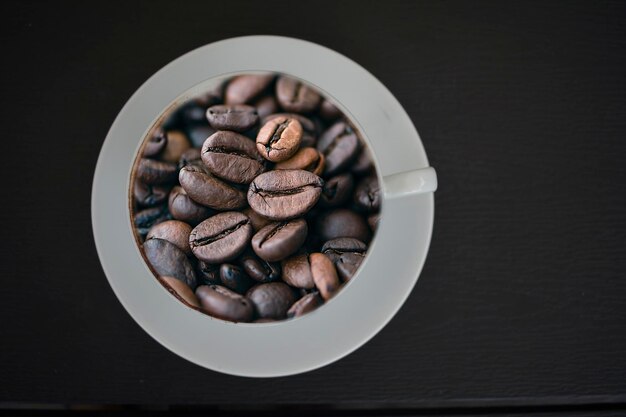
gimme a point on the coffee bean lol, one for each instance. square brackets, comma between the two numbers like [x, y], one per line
[149, 195]
[209, 191]
[155, 144]
[177, 144]
[367, 194]
[309, 129]
[340, 146]
[225, 304]
[305, 305]
[190, 157]
[175, 232]
[235, 117]
[342, 223]
[277, 241]
[328, 111]
[373, 220]
[232, 157]
[199, 134]
[295, 96]
[284, 194]
[297, 271]
[347, 255]
[279, 139]
[308, 159]
[207, 274]
[271, 300]
[193, 114]
[180, 290]
[265, 106]
[259, 269]
[337, 190]
[363, 163]
[244, 88]
[234, 277]
[153, 172]
[168, 260]
[145, 219]
[221, 238]
[324, 275]
[258, 222]
[183, 208]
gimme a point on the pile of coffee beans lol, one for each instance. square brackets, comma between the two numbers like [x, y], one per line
[255, 202]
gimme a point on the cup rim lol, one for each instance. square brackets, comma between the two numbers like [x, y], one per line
[313, 340]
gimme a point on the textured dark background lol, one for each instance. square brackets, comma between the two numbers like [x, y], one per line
[522, 109]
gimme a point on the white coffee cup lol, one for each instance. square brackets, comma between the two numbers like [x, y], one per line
[363, 306]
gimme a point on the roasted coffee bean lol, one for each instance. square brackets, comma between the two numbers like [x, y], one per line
[209, 191]
[305, 305]
[342, 223]
[309, 129]
[193, 114]
[347, 255]
[180, 290]
[259, 269]
[177, 144]
[297, 271]
[363, 163]
[258, 222]
[279, 139]
[265, 106]
[175, 232]
[337, 190]
[278, 240]
[221, 238]
[183, 208]
[235, 117]
[244, 88]
[308, 159]
[367, 194]
[373, 220]
[153, 172]
[284, 194]
[145, 219]
[271, 300]
[207, 274]
[149, 195]
[233, 157]
[340, 145]
[168, 260]
[155, 144]
[234, 277]
[324, 275]
[198, 134]
[190, 157]
[225, 304]
[328, 111]
[295, 96]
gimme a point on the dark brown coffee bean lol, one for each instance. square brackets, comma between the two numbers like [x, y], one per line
[209, 191]
[168, 260]
[208, 274]
[180, 290]
[279, 139]
[271, 300]
[231, 156]
[284, 194]
[259, 269]
[190, 157]
[258, 222]
[177, 144]
[328, 111]
[153, 172]
[277, 241]
[373, 220]
[309, 129]
[225, 304]
[234, 277]
[183, 208]
[297, 271]
[308, 159]
[347, 255]
[146, 218]
[367, 194]
[305, 305]
[265, 106]
[235, 117]
[192, 114]
[149, 195]
[324, 275]
[337, 190]
[340, 145]
[155, 144]
[295, 96]
[342, 223]
[199, 134]
[363, 163]
[221, 238]
[244, 88]
[175, 232]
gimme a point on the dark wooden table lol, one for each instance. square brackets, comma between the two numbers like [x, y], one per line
[521, 106]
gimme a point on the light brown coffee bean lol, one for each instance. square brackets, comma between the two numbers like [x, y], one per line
[324, 275]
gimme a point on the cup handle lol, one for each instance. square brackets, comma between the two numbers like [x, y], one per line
[407, 183]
